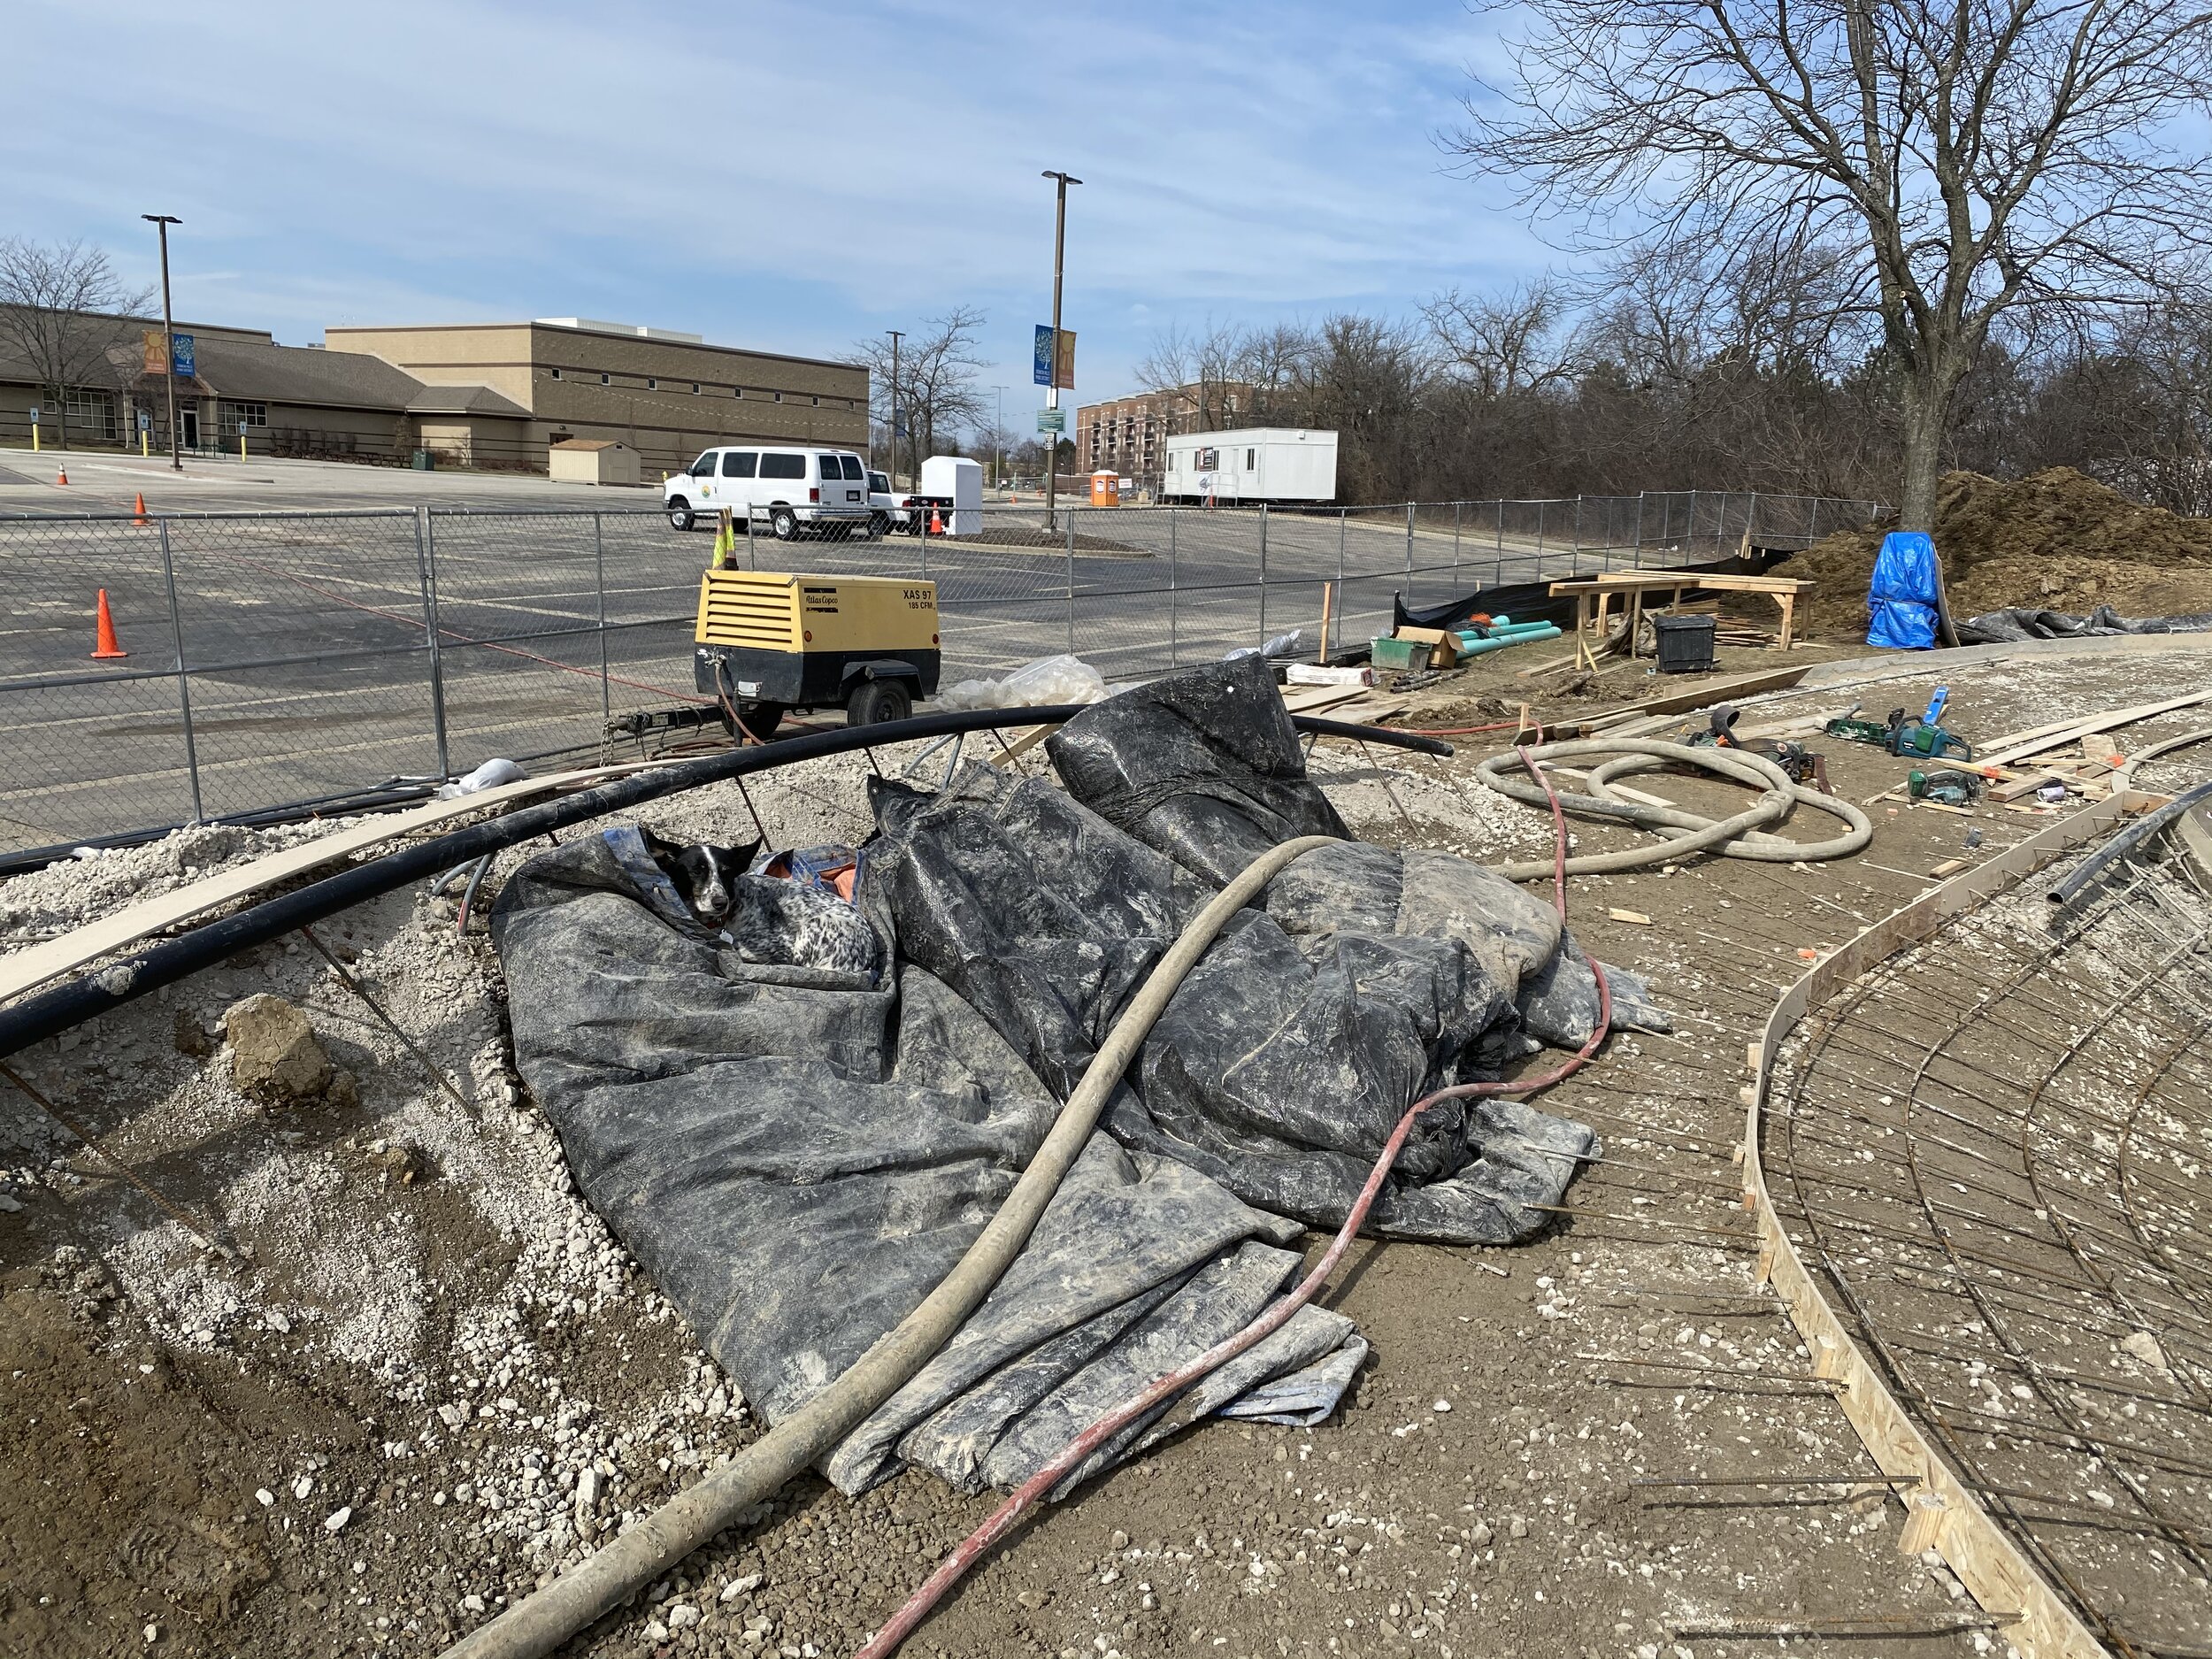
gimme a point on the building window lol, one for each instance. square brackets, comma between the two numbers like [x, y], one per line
[694, 388]
[90, 411]
[606, 380]
[237, 417]
[557, 375]
[652, 386]
[779, 398]
[737, 391]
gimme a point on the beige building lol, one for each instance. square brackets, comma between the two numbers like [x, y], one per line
[518, 389]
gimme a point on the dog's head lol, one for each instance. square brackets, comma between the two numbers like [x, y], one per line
[705, 875]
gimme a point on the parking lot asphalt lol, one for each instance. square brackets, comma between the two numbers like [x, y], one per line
[300, 617]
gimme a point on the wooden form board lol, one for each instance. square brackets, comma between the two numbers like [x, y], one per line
[21, 970]
[1942, 1513]
[1710, 695]
[2019, 745]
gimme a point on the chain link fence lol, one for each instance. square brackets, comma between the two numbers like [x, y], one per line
[282, 660]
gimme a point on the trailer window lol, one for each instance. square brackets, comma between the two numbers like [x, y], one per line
[1251, 465]
[738, 462]
[782, 464]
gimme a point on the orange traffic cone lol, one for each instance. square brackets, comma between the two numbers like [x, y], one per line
[936, 523]
[61, 472]
[105, 649]
[141, 510]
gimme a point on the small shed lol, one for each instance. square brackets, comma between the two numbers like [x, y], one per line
[591, 461]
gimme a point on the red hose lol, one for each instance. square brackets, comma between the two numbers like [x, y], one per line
[886, 1642]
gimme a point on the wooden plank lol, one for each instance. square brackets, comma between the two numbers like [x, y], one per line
[1704, 697]
[1636, 916]
[21, 970]
[2027, 783]
[2005, 750]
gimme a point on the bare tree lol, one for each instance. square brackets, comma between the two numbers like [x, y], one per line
[939, 374]
[1504, 342]
[1974, 157]
[1204, 372]
[59, 305]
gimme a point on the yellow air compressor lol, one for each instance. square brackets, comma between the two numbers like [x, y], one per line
[768, 642]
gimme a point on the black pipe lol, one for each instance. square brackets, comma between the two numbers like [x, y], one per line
[50, 1012]
[2126, 841]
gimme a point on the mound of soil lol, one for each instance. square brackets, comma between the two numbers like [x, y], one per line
[2057, 539]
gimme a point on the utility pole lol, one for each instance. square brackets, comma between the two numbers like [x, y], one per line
[1052, 390]
[895, 337]
[161, 222]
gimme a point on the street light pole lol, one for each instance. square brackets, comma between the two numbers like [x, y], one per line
[895, 337]
[1052, 388]
[161, 222]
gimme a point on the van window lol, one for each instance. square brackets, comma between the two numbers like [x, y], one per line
[781, 463]
[832, 468]
[853, 472]
[703, 467]
[738, 462]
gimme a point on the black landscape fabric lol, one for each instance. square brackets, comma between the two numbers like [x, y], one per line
[2002, 627]
[796, 1156]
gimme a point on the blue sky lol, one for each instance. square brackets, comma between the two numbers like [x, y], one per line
[783, 176]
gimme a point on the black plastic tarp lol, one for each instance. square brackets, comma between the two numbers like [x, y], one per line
[795, 1155]
[1534, 602]
[2021, 622]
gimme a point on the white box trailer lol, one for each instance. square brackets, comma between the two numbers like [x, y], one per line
[1284, 465]
[954, 484]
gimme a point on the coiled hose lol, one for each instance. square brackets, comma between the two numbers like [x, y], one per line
[1739, 836]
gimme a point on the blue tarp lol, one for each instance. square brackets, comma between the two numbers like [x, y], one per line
[1900, 600]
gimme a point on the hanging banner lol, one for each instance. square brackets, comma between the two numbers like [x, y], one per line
[1067, 363]
[181, 347]
[1041, 365]
[156, 355]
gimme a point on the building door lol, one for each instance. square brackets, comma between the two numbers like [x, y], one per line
[188, 425]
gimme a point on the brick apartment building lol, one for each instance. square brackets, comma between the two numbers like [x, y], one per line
[1130, 434]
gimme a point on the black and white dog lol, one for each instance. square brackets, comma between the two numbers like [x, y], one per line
[768, 920]
[705, 876]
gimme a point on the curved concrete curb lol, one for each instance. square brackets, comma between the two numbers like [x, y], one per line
[1942, 1513]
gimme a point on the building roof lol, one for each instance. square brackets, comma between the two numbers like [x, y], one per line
[304, 374]
[463, 400]
[588, 443]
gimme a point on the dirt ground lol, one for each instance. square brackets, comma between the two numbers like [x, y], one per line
[2056, 540]
[387, 1419]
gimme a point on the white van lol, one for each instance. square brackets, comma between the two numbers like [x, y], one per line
[825, 490]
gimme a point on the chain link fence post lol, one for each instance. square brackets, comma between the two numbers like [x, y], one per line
[1174, 567]
[1070, 580]
[1262, 573]
[1459, 510]
[1812, 523]
[1408, 552]
[1750, 523]
[184, 679]
[1639, 530]
[599, 585]
[1497, 559]
[425, 572]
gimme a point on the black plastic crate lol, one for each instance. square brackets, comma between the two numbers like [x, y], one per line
[1685, 644]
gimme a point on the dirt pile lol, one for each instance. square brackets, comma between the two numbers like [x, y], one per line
[2055, 538]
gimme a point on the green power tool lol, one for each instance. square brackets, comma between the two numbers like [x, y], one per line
[1925, 738]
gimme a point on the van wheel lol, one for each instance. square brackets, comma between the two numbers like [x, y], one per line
[679, 514]
[878, 524]
[874, 701]
[783, 522]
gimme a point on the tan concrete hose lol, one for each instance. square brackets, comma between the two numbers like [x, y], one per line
[1737, 837]
[540, 1621]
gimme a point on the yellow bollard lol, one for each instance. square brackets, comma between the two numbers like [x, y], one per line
[34, 437]
[242, 445]
[142, 454]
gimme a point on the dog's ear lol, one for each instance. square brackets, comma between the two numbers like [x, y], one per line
[742, 857]
[659, 846]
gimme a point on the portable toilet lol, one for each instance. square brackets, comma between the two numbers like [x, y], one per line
[1105, 489]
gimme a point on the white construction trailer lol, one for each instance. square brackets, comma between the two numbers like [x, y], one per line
[1275, 464]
